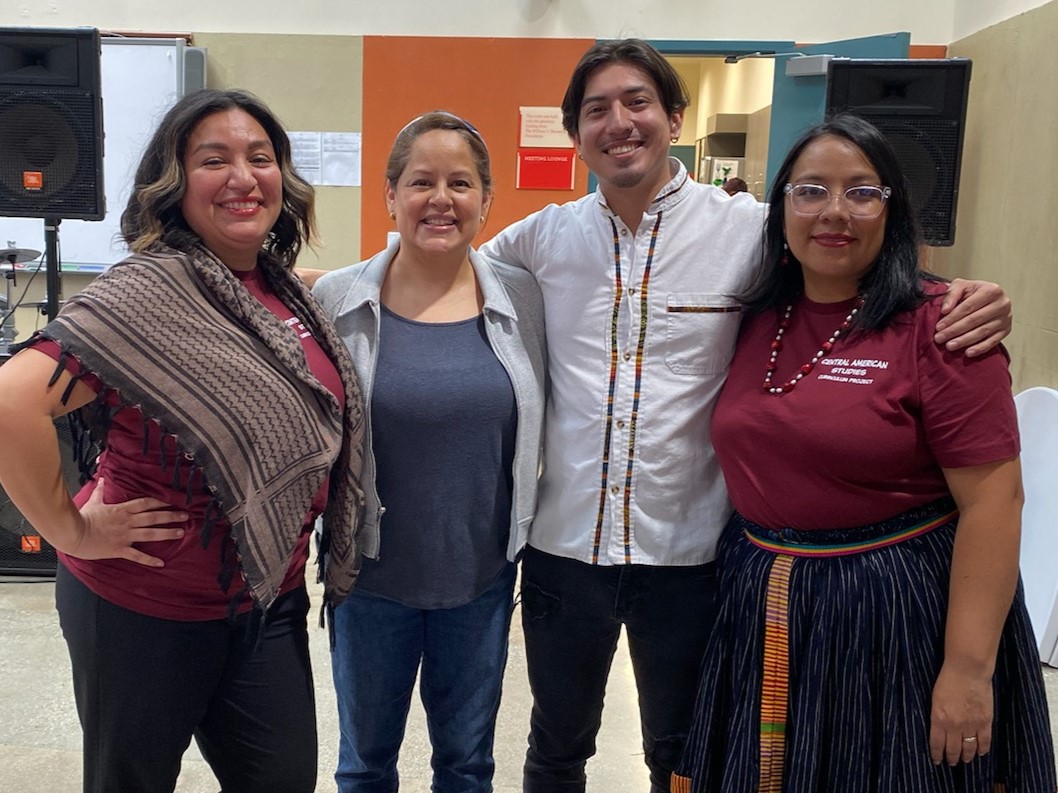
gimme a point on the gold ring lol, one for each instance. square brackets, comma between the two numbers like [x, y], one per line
[971, 739]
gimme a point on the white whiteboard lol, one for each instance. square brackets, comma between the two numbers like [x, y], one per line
[141, 79]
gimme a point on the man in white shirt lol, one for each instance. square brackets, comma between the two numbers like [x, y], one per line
[639, 282]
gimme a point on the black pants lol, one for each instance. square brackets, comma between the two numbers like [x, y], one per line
[572, 615]
[144, 686]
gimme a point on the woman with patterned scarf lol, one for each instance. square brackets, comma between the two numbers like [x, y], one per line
[226, 417]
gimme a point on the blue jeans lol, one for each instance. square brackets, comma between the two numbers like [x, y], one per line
[379, 645]
[572, 613]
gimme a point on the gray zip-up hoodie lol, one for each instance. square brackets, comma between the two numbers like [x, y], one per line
[514, 325]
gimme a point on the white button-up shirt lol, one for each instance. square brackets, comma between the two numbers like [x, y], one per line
[641, 326]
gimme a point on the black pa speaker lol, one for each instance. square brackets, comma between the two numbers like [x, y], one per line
[920, 107]
[51, 124]
[23, 551]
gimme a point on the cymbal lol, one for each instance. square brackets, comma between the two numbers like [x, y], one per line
[18, 255]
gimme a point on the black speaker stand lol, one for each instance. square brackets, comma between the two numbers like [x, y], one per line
[54, 266]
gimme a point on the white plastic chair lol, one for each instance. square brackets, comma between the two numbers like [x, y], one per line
[1038, 423]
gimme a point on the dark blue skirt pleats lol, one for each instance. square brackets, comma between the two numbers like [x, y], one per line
[847, 708]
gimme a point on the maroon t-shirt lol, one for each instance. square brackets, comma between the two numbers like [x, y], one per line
[187, 587]
[866, 434]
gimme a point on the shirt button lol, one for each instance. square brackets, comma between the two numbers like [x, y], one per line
[615, 489]
[628, 355]
[624, 232]
[620, 424]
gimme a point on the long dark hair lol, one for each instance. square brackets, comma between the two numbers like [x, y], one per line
[894, 281]
[153, 212]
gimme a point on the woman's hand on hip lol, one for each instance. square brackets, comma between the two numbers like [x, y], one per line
[110, 530]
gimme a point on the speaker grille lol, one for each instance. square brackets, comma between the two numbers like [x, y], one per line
[920, 108]
[51, 132]
[22, 550]
[929, 152]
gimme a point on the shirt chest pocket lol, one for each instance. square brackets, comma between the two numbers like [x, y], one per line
[701, 330]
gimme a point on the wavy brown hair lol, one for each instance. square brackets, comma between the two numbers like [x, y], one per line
[153, 212]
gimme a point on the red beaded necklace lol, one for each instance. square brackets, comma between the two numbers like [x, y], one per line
[824, 349]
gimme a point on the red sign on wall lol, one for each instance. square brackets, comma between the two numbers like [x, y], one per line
[545, 169]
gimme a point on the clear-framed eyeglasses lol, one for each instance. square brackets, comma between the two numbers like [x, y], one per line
[862, 201]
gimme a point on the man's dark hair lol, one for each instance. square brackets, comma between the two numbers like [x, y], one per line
[635, 52]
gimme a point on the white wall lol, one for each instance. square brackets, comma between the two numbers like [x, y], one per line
[807, 20]
[934, 22]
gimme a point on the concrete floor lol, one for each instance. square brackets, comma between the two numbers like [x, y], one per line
[40, 737]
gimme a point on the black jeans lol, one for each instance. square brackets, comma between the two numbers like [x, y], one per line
[572, 614]
[144, 686]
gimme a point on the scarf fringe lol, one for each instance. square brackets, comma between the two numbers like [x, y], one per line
[256, 619]
[229, 565]
[209, 521]
[127, 309]
[90, 424]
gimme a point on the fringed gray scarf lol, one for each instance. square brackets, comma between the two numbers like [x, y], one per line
[177, 335]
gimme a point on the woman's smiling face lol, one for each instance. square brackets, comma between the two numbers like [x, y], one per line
[835, 248]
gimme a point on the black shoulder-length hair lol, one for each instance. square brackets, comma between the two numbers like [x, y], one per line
[894, 281]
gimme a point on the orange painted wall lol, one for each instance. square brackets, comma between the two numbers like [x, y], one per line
[927, 51]
[485, 81]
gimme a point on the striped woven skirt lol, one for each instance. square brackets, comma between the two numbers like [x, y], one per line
[819, 675]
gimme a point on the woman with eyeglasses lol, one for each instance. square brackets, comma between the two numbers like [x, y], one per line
[449, 349]
[873, 634]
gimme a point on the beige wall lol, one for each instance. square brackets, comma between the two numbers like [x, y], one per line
[1007, 223]
[974, 15]
[311, 83]
[690, 71]
[718, 87]
[742, 87]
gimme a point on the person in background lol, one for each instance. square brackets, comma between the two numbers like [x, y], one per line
[872, 632]
[735, 185]
[636, 280]
[449, 346]
[228, 417]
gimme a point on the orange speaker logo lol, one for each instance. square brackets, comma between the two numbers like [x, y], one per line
[33, 180]
[30, 543]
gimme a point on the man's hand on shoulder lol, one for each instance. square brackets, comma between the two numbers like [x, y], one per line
[975, 317]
